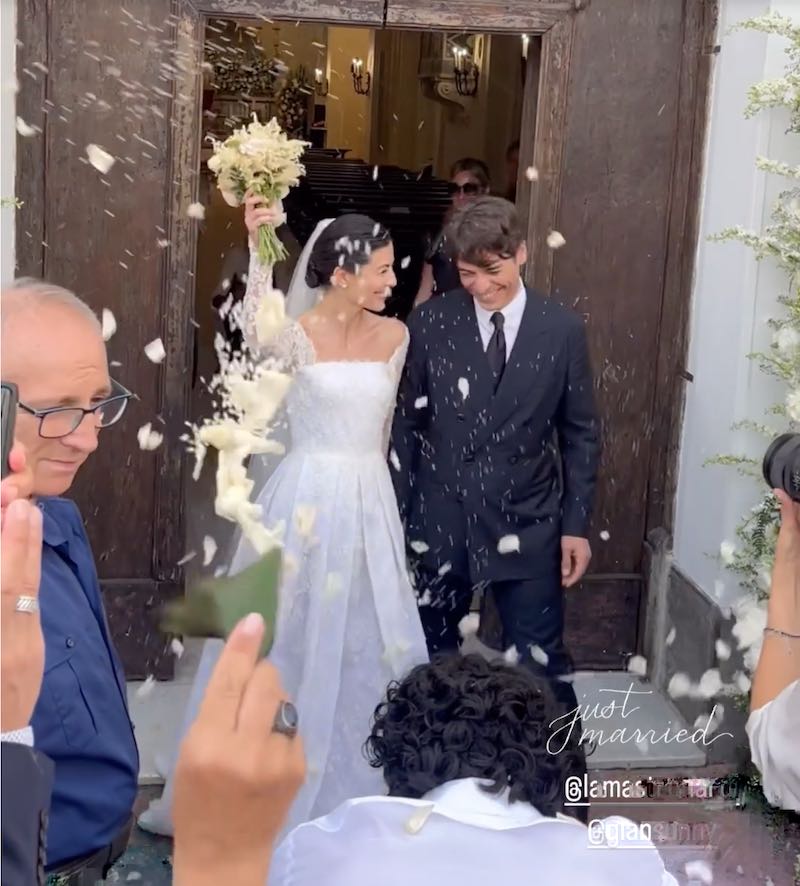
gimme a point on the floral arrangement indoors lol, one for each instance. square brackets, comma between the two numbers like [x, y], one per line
[292, 107]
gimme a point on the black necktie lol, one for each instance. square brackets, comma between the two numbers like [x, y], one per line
[496, 351]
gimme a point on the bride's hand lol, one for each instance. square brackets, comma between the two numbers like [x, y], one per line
[258, 213]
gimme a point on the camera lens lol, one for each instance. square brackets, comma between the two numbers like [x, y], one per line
[781, 465]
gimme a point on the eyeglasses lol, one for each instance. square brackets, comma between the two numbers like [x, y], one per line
[61, 421]
[470, 189]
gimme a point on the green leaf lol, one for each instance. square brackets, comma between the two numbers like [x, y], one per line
[215, 606]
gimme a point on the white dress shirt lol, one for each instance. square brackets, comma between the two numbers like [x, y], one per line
[773, 732]
[459, 834]
[512, 319]
[19, 736]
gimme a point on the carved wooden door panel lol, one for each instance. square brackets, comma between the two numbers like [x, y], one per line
[128, 80]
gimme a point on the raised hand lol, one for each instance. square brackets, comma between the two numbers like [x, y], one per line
[784, 604]
[236, 777]
[788, 545]
[19, 483]
[21, 643]
[258, 212]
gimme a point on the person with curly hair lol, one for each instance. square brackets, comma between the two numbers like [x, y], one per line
[474, 795]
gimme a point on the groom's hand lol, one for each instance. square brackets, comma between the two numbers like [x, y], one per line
[235, 778]
[575, 557]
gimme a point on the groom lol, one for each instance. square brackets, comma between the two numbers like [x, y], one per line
[496, 444]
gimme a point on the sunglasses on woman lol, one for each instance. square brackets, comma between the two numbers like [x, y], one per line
[469, 189]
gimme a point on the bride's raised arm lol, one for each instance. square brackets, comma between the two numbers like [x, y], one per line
[263, 306]
[259, 275]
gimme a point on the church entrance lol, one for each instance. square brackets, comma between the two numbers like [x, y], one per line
[606, 100]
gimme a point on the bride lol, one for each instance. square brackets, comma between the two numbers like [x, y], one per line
[347, 621]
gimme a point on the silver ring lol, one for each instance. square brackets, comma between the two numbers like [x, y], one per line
[286, 719]
[27, 604]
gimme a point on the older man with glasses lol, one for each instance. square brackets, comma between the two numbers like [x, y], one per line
[53, 350]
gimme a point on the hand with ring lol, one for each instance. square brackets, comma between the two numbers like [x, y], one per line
[21, 643]
[238, 771]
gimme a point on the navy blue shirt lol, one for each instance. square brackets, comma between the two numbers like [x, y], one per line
[81, 719]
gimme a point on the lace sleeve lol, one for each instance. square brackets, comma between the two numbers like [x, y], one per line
[259, 283]
[291, 349]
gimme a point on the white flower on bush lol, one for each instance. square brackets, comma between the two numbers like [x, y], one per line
[787, 340]
[793, 404]
[765, 576]
[726, 551]
[777, 240]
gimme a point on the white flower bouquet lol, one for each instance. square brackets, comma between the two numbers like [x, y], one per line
[260, 158]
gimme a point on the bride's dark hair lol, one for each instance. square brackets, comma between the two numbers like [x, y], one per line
[347, 242]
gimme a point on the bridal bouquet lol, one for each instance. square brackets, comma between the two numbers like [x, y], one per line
[260, 158]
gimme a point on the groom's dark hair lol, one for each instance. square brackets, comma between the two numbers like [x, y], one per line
[483, 230]
[465, 717]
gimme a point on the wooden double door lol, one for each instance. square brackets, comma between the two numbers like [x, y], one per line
[613, 119]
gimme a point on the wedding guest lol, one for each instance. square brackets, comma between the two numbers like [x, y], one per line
[235, 779]
[474, 796]
[53, 349]
[512, 171]
[774, 723]
[229, 293]
[469, 179]
[27, 773]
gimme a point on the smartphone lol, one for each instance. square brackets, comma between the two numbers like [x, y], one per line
[8, 413]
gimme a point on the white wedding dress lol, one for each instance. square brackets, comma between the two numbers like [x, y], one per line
[347, 622]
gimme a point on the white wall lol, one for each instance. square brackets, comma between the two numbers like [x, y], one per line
[733, 298]
[8, 134]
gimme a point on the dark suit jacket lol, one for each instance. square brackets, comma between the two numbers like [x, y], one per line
[26, 783]
[476, 468]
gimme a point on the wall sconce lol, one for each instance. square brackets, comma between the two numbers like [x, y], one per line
[466, 72]
[362, 80]
[320, 83]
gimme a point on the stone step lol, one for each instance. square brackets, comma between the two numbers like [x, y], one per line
[633, 725]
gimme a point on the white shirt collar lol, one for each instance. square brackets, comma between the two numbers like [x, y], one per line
[465, 801]
[512, 312]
